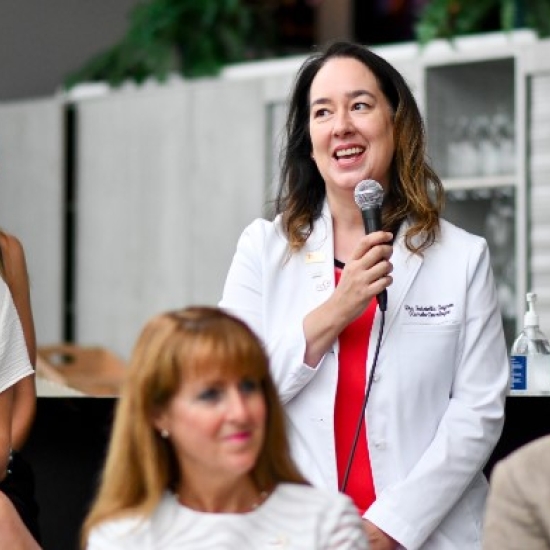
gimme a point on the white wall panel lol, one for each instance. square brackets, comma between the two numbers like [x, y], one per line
[31, 202]
[227, 146]
[167, 179]
[131, 220]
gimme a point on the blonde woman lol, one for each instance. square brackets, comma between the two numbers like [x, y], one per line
[198, 456]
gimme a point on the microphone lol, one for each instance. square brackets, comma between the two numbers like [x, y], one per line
[368, 197]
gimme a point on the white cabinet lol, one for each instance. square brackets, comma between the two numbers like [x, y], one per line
[470, 116]
[475, 107]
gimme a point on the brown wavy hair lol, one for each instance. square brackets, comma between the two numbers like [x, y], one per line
[174, 347]
[415, 189]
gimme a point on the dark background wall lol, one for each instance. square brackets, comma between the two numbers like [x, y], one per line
[41, 41]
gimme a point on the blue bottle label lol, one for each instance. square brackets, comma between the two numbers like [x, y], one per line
[518, 372]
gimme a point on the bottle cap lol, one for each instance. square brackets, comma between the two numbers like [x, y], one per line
[531, 318]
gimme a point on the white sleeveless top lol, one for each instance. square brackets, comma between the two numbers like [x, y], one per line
[14, 358]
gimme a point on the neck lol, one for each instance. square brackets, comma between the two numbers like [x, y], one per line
[347, 226]
[238, 496]
[344, 209]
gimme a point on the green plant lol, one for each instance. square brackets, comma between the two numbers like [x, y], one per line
[190, 37]
[450, 18]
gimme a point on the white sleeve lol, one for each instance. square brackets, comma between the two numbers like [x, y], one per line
[468, 431]
[14, 357]
[243, 288]
[247, 291]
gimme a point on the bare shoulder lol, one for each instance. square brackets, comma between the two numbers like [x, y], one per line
[13, 255]
[11, 245]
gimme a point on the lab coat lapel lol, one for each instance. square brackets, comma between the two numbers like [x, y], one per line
[318, 277]
[405, 269]
[318, 258]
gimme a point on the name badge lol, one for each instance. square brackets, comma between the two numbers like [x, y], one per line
[315, 257]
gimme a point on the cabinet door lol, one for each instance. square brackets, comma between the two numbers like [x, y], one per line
[535, 86]
[471, 114]
[470, 118]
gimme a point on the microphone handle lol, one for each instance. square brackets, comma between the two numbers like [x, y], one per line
[372, 220]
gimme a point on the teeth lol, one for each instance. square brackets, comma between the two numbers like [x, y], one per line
[348, 152]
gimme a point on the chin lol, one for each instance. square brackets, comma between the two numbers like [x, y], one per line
[243, 465]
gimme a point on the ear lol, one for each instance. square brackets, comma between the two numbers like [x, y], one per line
[159, 420]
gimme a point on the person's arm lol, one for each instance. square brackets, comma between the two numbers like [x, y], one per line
[17, 279]
[378, 540]
[471, 423]
[13, 532]
[509, 517]
[6, 401]
[365, 275]
[14, 366]
[264, 288]
[517, 514]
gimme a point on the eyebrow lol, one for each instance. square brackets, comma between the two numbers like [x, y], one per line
[350, 95]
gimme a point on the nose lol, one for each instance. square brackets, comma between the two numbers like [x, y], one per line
[343, 125]
[237, 406]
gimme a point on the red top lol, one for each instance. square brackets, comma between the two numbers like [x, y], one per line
[350, 392]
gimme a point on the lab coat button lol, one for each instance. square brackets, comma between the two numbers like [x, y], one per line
[380, 445]
[376, 377]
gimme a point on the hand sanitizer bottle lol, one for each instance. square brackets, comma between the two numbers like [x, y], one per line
[530, 356]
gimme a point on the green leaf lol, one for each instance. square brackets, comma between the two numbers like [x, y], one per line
[205, 33]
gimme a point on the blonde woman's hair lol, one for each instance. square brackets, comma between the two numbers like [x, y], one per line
[174, 347]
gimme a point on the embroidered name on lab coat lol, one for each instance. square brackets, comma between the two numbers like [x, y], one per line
[429, 311]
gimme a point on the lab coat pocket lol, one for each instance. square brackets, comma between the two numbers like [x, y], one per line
[427, 356]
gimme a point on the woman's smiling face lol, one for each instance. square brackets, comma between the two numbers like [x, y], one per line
[217, 426]
[350, 125]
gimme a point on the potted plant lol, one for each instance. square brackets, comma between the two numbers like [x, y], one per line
[189, 37]
[450, 18]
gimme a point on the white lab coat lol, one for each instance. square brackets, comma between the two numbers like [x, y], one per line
[436, 409]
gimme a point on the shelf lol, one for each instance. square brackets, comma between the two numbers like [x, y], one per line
[470, 117]
[482, 182]
[524, 395]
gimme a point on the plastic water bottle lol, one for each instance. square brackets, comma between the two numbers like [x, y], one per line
[530, 356]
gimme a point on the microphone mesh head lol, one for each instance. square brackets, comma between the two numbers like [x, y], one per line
[368, 194]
